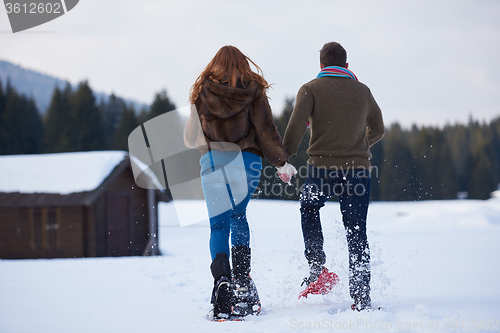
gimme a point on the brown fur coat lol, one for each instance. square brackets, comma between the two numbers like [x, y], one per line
[242, 116]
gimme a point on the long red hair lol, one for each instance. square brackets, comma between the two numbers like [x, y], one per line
[229, 65]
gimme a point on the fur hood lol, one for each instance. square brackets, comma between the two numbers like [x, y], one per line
[242, 116]
[223, 102]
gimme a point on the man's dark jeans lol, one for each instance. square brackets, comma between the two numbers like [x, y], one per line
[353, 190]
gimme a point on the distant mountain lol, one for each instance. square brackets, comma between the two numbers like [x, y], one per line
[40, 86]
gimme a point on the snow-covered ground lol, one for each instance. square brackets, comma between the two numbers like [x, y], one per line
[435, 268]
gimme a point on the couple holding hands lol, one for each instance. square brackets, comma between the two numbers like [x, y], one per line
[345, 121]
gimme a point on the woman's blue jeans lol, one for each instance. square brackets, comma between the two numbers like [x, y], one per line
[232, 182]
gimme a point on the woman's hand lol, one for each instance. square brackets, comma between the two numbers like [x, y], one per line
[286, 172]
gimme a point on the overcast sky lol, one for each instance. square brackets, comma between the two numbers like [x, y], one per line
[426, 62]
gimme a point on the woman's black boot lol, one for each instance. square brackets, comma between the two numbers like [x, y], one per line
[222, 292]
[246, 299]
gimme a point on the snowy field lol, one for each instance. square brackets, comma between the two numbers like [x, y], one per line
[435, 268]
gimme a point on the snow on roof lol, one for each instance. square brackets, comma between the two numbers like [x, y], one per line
[61, 173]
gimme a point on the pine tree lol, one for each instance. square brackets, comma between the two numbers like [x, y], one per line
[2, 124]
[143, 116]
[4, 128]
[495, 130]
[22, 125]
[271, 186]
[457, 139]
[398, 179]
[2, 99]
[87, 123]
[377, 152]
[434, 165]
[112, 112]
[57, 122]
[127, 124]
[483, 165]
[33, 122]
[51, 126]
[12, 124]
[282, 121]
[161, 105]
[480, 182]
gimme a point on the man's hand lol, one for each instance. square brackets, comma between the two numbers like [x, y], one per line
[286, 172]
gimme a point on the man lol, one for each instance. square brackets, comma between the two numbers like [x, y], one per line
[345, 122]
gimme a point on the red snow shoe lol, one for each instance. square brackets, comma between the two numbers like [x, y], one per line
[322, 285]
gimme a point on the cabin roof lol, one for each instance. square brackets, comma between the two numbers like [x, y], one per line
[61, 173]
[65, 179]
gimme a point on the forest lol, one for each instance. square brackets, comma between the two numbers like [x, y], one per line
[427, 163]
[409, 164]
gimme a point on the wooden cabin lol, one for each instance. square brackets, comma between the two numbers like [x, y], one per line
[74, 205]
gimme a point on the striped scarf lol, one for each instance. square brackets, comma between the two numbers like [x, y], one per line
[337, 71]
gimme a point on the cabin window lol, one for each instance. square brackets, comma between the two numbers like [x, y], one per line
[44, 228]
[52, 227]
[37, 228]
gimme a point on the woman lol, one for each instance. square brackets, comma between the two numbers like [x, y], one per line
[232, 106]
